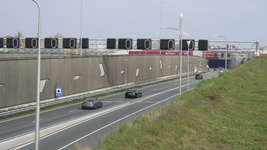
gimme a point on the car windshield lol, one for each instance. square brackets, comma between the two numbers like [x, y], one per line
[89, 100]
[220, 68]
[131, 90]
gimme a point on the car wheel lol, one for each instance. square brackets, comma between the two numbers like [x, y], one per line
[136, 96]
[141, 95]
[101, 105]
[95, 107]
[82, 108]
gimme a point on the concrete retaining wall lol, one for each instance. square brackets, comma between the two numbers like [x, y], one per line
[18, 74]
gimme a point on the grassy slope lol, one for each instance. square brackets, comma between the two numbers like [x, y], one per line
[228, 112]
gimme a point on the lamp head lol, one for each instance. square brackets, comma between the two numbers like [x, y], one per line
[188, 43]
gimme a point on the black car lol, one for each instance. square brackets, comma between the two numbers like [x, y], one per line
[133, 93]
[199, 76]
[91, 103]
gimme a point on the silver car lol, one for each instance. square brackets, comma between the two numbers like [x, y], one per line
[91, 103]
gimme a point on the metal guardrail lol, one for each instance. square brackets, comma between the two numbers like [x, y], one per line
[24, 109]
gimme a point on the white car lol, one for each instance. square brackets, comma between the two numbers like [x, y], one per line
[221, 69]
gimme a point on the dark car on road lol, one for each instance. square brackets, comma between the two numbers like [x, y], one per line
[91, 103]
[199, 76]
[133, 93]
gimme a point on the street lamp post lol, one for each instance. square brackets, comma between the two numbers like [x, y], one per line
[61, 24]
[81, 41]
[226, 50]
[188, 44]
[38, 81]
[160, 22]
[126, 59]
[181, 37]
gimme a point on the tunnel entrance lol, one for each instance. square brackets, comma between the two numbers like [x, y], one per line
[217, 63]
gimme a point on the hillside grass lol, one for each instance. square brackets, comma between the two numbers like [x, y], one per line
[227, 112]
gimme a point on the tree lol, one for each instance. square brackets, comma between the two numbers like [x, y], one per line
[19, 35]
[58, 35]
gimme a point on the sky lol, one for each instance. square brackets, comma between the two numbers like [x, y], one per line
[243, 20]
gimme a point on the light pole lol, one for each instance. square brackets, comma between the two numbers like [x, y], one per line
[188, 44]
[61, 24]
[160, 23]
[38, 81]
[181, 37]
[126, 59]
[226, 50]
[81, 41]
[186, 23]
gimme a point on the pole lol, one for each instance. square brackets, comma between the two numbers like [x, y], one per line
[61, 25]
[81, 41]
[38, 82]
[188, 44]
[226, 54]
[160, 26]
[126, 72]
[160, 21]
[181, 37]
[257, 47]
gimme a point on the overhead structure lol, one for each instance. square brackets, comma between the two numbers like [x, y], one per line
[111, 43]
[167, 44]
[1, 42]
[12, 42]
[191, 45]
[125, 43]
[31, 42]
[144, 44]
[69, 42]
[203, 45]
[51, 42]
[85, 43]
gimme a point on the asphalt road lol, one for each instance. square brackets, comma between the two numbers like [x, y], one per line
[65, 127]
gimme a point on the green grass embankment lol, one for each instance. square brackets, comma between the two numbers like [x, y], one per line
[228, 112]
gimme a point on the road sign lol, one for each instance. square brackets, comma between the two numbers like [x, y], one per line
[195, 69]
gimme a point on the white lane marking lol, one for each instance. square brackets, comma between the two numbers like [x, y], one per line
[115, 122]
[62, 107]
[147, 102]
[112, 101]
[72, 111]
[34, 121]
[27, 139]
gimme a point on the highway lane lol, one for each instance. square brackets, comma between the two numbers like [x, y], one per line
[61, 126]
